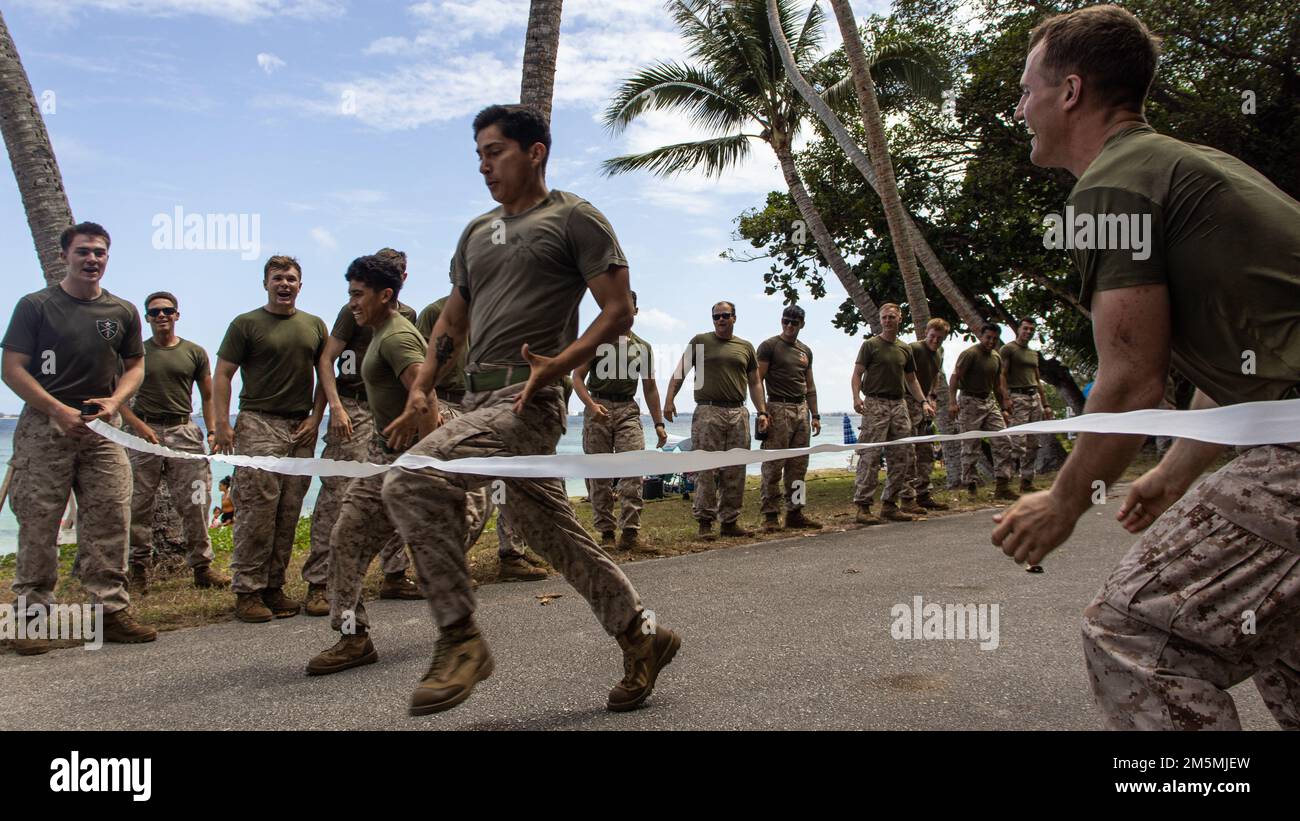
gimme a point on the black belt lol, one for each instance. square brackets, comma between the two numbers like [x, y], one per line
[614, 397]
[974, 395]
[1023, 390]
[889, 396]
[296, 416]
[718, 404]
[165, 419]
[357, 392]
[789, 400]
[448, 395]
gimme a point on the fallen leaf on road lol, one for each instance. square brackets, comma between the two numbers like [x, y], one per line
[851, 570]
[547, 598]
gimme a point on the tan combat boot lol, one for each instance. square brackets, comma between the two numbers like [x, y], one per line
[795, 520]
[205, 577]
[250, 608]
[121, 628]
[771, 522]
[398, 586]
[32, 647]
[706, 530]
[890, 511]
[734, 529]
[866, 517]
[461, 659]
[281, 606]
[913, 508]
[351, 651]
[317, 602]
[647, 649]
[928, 502]
[631, 540]
[519, 569]
[607, 538]
[1004, 491]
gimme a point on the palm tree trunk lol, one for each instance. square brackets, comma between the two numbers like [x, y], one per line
[825, 243]
[541, 46]
[39, 182]
[924, 253]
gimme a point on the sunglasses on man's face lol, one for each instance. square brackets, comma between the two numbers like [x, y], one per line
[161, 311]
[785, 320]
[720, 317]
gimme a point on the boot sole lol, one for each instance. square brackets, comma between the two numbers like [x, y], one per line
[666, 658]
[368, 658]
[484, 673]
[145, 639]
[257, 620]
[523, 578]
[33, 651]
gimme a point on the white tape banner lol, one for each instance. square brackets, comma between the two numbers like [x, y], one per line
[1251, 423]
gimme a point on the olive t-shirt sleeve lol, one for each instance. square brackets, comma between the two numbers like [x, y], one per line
[808, 351]
[765, 351]
[909, 363]
[459, 270]
[344, 326]
[864, 355]
[133, 344]
[200, 363]
[592, 241]
[426, 321]
[1113, 212]
[234, 346]
[23, 327]
[963, 361]
[324, 334]
[400, 351]
[752, 364]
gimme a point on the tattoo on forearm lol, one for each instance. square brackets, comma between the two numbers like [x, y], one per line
[445, 347]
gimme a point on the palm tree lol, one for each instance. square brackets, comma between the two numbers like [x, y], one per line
[39, 182]
[929, 260]
[541, 46]
[738, 83]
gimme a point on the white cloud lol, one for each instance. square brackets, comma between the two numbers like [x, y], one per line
[269, 62]
[324, 239]
[658, 320]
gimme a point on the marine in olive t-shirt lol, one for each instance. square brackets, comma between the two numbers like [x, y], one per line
[76, 345]
[928, 364]
[451, 380]
[885, 367]
[724, 365]
[395, 346]
[787, 369]
[525, 275]
[1021, 364]
[276, 355]
[979, 370]
[169, 377]
[1225, 241]
[620, 366]
[357, 339]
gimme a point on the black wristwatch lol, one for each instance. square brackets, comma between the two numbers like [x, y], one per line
[763, 413]
[660, 425]
[817, 416]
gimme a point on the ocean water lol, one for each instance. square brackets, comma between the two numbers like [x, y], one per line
[571, 442]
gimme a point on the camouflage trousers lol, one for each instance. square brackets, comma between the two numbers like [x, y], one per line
[983, 414]
[1209, 597]
[267, 504]
[479, 508]
[428, 507]
[189, 483]
[47, 467]
[788, 426]
[316, 570]
[922, 454]
[620, 432]
[717, 428]
[1025, 408]
[883, 420]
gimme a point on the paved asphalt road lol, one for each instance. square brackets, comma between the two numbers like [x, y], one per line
[791, 634]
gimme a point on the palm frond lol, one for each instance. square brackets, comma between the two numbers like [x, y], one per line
[697, 92]
[711, 156]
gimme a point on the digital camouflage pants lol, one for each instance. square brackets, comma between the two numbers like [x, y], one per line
[1025, 408]
[788, 426]
[717, 428]
[619, 432]
[922, 454]
[983, 414]
[883, 420]
[189, 483]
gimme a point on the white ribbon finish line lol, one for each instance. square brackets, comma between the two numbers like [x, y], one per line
[1250, 423]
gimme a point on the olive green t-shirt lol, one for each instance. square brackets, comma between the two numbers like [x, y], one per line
[276, 355]
[1225, 241]
[1021, 364]
[620, 365]
[928, 364]
[725, 365]
[886, 365]
[357, 339]
[76, 345]
[787, 369]
[169, 377]
[979, 370]
[395, 346]
[451, 379]
[526, 274]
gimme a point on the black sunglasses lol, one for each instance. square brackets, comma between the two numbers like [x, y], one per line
[785, 320]
[717, 317]
[164, 311]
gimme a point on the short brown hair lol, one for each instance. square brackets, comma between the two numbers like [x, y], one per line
[85, 229]
[889, 305]
[939, 324]
[161, 295]
[393, 255]
[280, 262]
[1106, 44]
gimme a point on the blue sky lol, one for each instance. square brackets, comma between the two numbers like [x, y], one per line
[344, 127]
